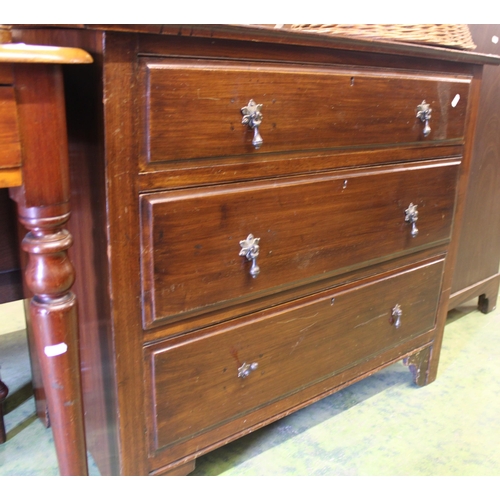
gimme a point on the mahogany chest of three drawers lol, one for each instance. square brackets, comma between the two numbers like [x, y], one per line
[263, 218]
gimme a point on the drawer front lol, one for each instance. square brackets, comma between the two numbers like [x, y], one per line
[310, 228]
[233, 370]
[194, 108]
[10, 144]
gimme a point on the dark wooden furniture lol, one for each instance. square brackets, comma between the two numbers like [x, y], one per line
[10, 175]
[11, 287]
[4, 392]
[237, 262]
[34, 165]
[477, 269]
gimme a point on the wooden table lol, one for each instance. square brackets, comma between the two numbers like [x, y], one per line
[34, 165]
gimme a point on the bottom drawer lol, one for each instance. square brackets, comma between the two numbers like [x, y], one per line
[204, 380]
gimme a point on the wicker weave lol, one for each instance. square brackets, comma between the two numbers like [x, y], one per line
[447, 35]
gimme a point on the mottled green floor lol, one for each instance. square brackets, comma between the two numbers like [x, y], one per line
[382, 426]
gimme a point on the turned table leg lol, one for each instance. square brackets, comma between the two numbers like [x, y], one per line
[49, 275]
[43, 209]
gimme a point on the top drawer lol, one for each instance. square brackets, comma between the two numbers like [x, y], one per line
[193, 108]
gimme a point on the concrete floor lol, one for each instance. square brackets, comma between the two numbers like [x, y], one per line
[382, 426]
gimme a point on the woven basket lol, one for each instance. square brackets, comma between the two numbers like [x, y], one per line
[448, 35]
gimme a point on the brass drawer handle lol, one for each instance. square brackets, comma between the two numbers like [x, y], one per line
[424, 113]
[250, 249]
[396, 314]
[245, 369]
[252, 117]
[411, 216]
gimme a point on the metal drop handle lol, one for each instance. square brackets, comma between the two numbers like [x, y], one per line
[252, 117]
[245, 369]
[250, 249]
[411, 216]
[396, 314]
[424, 112]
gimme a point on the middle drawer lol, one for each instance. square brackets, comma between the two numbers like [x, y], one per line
[309, 228]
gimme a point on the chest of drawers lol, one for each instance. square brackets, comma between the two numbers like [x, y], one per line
[261, 219]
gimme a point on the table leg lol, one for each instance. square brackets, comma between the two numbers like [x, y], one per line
[53, 315]
[43, 209]
[4, 391]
